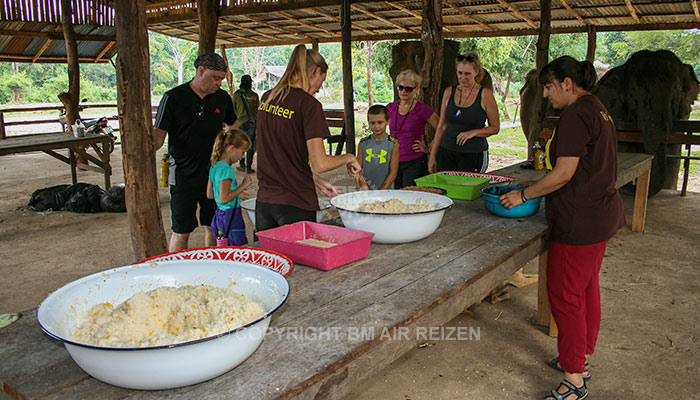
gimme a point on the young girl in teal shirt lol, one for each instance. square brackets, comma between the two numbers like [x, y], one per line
[229, 147]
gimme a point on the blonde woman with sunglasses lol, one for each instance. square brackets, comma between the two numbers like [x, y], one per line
[469, 115]
[408, 118]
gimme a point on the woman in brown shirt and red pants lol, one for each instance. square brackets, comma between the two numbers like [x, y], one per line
[584, 210]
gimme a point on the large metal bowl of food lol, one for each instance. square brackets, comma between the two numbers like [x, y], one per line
[136, 327]
[394, 216]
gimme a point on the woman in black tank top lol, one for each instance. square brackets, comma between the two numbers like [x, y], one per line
[468, 116]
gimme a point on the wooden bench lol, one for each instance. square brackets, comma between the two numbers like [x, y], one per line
[336, 119]
[53, 141]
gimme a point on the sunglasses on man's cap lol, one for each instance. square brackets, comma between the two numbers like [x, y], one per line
[408, 89]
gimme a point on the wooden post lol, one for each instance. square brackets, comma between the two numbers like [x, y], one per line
[641, 196]
[541, 59]
[138, 150]
[72, 97]
[590, 52]
[2, 126]
[229, 74]
[314, 44]
[208, 11]
[433, 43]
[348, 99]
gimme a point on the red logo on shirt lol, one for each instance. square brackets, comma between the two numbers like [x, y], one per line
[217, 111]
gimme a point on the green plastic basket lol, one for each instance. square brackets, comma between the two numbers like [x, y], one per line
[458, 187]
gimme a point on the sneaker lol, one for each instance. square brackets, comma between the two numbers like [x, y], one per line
[250, 171]
[242, 169]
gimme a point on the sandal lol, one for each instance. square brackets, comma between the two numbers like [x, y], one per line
[580, 392]
[554, 364]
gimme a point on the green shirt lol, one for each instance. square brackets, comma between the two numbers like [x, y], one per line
[251, 98]
[222, 171]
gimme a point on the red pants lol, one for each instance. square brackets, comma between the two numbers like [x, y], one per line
[572, 284]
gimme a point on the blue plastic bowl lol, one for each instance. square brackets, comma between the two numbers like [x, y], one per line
[491, 195]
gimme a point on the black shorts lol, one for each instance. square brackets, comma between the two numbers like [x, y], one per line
[268, 216]
[449, 160]
[183, 209]
[411, 170]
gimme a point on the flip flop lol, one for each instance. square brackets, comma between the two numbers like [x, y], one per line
[554, 364]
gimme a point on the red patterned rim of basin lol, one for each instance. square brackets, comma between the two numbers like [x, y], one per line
[494, 178]
[266, 258]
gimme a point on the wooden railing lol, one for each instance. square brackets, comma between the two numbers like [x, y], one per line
[55, 120]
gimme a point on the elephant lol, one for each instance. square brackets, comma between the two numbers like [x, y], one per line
[651, 90]
[531, 115]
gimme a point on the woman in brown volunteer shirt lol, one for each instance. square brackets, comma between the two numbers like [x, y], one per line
[291, 130]
[584, 210]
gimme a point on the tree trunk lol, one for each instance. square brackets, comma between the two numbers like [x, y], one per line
[542, 58]
[590, 52]
[138, 151]
[370, 96]
[229, 74]
[71, 99]
[348, 99]
[208, 11]
[504, 99]
[432, 38]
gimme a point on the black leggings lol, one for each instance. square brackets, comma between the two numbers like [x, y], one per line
[268, 216]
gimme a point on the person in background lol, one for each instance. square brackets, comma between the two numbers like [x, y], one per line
[408, 118]
[245, 103]
[229, 147]
[460, 140]
[378, 152]
[291, 130]
[584, 210]
[192, 115]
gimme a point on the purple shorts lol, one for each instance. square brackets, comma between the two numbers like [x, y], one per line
[231, 225]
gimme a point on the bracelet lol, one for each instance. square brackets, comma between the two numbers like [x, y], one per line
[522, 196]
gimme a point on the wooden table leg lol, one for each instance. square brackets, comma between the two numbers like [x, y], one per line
[543, 307]
[73, 172]
[105, 160]
[639, 215]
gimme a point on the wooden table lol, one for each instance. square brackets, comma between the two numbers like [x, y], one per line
[54, 141]
[337, 328]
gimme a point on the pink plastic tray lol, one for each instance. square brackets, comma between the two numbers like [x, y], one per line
[351, 245]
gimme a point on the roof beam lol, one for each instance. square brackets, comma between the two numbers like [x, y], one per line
[42, 50]
[283, 15]
[104, 51]
[632, 11]
[331, 17]
[519, 13]
[467, 15]
[412, 13]
[253, 31]
[379, 17]
[58, 36]
[694, 4]
[573, 12]
[279, 28]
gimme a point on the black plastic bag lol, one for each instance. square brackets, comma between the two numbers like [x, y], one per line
[46, 199]
[86, 199]
[113, 199]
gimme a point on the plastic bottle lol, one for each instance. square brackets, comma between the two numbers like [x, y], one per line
[165, 170]
[539, 156]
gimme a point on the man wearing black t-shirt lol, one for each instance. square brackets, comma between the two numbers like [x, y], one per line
[192, 114]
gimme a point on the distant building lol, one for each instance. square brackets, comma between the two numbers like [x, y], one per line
[269, 76]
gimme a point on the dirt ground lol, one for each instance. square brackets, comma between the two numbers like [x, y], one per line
[649, 344]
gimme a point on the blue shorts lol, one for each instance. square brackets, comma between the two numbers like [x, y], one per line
[229, 224]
